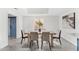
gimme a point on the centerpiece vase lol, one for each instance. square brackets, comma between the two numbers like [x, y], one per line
[39, 30]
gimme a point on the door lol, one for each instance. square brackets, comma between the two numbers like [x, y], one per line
[13, 27]
[77, 44]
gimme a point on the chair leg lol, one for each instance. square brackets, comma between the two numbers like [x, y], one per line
[37, 44]
[41, 44]
[60, 41]
[31, 43]
[28, 43]
[51, 42]
[21, 40]
[49, 45]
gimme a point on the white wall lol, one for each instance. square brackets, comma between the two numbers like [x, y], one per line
[8, 26]
[3, 28]
[51, 23]
[76, 19]
[19, 26]
[68, 33]
[19, 19]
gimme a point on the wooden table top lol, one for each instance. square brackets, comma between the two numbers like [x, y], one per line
[41, 33]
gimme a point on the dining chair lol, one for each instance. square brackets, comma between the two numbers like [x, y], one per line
[45, 37]
[33, 37]
[23, 36]
[57, 37]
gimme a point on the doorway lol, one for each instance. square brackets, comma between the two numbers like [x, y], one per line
[12, 27]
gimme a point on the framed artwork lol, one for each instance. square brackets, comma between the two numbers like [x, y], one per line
[68, 21]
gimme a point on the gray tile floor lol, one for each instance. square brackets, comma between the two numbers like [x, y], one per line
[14, 45]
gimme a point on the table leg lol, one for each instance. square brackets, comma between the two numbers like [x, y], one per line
[51, 42]
[39, 40]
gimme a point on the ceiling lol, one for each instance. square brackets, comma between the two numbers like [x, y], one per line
[58, 11]
[42, 11]
[48, 11]
[37, 10]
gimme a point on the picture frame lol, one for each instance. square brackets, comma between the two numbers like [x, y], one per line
[69, 21]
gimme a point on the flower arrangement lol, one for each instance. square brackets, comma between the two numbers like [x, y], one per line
[39, 24]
